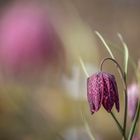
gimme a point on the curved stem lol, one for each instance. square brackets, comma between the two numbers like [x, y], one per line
[123, 77]
[122, 74]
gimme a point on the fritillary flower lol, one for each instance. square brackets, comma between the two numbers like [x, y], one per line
[102, 90]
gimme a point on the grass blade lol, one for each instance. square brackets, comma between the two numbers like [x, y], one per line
[126, 53]
[105, 44]
[83, 66]
[83, 117]
[87, 126]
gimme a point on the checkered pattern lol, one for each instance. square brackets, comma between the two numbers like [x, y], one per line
[102, 89]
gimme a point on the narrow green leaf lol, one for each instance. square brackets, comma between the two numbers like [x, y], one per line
[83, 117]
[126, 53]
[105, 44]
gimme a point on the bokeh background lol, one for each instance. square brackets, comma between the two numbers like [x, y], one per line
[42, 84]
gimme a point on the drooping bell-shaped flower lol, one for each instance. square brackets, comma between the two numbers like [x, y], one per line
[133, 97]
[102, 90]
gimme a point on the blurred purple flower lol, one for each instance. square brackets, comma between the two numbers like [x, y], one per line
[136, 137]
[28, 42]
[133, 97]
[102, 89]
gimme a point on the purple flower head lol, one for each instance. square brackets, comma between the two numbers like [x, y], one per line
[133, 96]
[102, 89]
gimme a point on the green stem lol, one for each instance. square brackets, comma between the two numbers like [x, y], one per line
[117, 122]
[125, 110]
[123, 77]
[133, 128]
